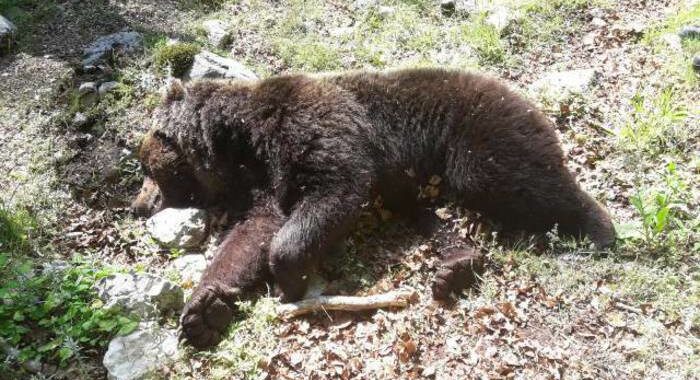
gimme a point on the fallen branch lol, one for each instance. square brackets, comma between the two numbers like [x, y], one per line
[398, 298]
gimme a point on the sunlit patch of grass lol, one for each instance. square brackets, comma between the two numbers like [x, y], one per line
[656, 123]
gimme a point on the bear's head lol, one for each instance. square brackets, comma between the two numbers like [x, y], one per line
[196, 153]
[169, 179]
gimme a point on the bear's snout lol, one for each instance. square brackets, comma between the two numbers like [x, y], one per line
[149, 200]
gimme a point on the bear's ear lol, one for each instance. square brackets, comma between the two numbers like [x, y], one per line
[174, 91]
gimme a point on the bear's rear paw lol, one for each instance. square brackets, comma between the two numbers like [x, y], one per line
[208, 314]
[459, 270]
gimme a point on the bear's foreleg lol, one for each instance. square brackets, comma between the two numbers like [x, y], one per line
[316, 224]
[239, 268]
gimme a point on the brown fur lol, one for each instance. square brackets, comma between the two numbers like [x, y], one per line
[239, 268]
[321, 147]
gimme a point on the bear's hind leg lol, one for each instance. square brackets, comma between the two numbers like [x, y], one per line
[459, 269]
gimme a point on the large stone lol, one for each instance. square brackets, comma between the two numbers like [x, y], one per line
[140, 354]
[123, 42]
[88, 94]
[559, 85]
[178, 228]
[7, 34]
[141, 294]
[189, 267]
[500, 17]
[218, 33]
[210, 65]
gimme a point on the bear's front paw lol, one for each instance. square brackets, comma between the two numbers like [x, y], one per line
[207, 315]
[459, 270]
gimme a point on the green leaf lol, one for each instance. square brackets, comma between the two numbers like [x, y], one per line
[127, 328]
[49, 346]
[18, 316]
[661, 219]
[65, 353]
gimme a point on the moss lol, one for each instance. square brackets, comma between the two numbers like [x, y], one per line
[179, 57]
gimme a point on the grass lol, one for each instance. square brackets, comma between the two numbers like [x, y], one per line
[656, 124]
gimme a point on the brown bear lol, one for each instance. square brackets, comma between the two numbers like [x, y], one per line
[321, 147]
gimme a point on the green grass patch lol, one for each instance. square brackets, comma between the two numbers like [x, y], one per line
[656, 124]
[177, 57]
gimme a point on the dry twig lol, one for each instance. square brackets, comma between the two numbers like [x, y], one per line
[398, 298]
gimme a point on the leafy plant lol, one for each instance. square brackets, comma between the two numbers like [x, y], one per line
[657, 208]
[55, 314]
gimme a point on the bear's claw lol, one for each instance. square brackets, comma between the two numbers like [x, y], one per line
[207, 315]
[459, 270]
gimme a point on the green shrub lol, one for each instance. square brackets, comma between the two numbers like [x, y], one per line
[56, 315]
[179, 57]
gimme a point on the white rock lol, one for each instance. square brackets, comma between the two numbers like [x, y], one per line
[189, 267]
[107, 87]
[88, 93]
[210, 65]
[142, 294]
[673, 41]
[217, 33]
[500, 17]
[559, 85]
[178, 228]
[87, 87]
[122, 41]
[598, 22]
[140, 354]
[386, 11]
[7, 33]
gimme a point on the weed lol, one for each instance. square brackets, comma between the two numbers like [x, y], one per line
[655, 125]
[177, 57]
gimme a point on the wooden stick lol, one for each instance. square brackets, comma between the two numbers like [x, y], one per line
[397, 298]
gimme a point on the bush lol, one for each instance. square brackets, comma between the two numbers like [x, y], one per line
[179, 57]
[51, 315]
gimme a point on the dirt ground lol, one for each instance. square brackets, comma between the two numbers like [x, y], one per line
[544, 309]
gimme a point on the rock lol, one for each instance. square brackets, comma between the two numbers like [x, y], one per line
[217, 33]
[386, 11]
[673, 41]
[123, 42]
[87, 87]
[7, 34]
[107, 87]
[500, 17]
[210, 65]
[88, 94]
[141, 294]
[178, 228]
[80, 120]
[565, 83]
[688, 31]
[190, 267]
[140, 354]
[598, 22]
[696, 63]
